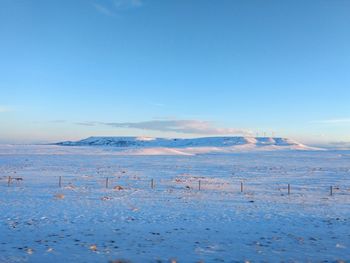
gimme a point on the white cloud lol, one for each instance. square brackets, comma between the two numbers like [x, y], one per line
[123, 4]
[104, 10]
[178, 126]
[5, 109]
[333, 121]
[112, 7]
[87, 123]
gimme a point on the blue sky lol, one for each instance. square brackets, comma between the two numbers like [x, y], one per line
[74, 68]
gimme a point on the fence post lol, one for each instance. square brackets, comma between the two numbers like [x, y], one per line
[241, 187]
[288, 189]
[60, 181]
[152, 183]
[106, 182]
[331, 190]
[9, 181]
[199, 185]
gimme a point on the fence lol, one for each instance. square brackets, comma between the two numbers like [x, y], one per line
[193, 185]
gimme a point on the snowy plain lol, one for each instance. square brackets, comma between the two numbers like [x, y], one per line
[83, 221]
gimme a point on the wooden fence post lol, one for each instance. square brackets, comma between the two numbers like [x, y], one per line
[199, 185]
[288, 189]
[9, 181]
[152, 183]
[60, 181]
[241, 187]
[106, 182]
[331, 190]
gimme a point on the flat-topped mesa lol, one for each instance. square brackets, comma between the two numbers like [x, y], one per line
[183, 142]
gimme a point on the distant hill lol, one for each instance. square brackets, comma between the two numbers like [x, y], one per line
[176, 146]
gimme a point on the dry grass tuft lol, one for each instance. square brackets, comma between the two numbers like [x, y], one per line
[59, 196]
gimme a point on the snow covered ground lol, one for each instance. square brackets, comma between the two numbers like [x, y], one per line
[83, 221]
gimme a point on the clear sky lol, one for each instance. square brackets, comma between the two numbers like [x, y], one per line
[74, 68]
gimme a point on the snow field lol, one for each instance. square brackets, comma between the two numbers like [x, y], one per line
[84, 222]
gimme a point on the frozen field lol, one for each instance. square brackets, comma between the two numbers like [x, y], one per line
[83, 221]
